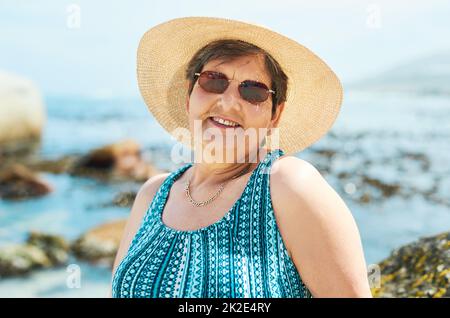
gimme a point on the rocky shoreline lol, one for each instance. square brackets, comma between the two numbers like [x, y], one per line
[418, 269]
[122, 161]
[41, 250]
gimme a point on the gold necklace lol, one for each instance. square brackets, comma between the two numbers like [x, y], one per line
[202, 203]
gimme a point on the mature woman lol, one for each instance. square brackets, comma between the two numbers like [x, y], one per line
[260, 223]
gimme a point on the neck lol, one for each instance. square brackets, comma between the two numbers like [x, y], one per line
[210, 175]
[213, 174]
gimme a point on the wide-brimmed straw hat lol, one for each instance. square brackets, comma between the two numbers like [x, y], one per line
[314, 93]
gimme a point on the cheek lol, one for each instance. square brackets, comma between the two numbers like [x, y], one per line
[258, 116]
[199, 100]
[199, 105]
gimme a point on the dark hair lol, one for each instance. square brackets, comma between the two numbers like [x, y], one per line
[229, 49]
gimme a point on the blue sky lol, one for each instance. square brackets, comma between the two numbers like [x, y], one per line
[356, 38]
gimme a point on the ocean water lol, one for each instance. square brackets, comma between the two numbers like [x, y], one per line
[376, 134]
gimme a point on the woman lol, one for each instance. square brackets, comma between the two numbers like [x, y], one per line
[264, 224]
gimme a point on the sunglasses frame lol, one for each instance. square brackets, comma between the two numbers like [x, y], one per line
[229, 80]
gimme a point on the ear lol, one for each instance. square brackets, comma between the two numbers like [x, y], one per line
[276, 118]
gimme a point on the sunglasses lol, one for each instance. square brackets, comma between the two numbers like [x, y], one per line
[217, 83]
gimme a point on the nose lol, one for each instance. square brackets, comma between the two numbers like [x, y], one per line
[231, 98]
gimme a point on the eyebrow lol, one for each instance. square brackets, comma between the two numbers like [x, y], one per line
[220, 63]
[258, 77]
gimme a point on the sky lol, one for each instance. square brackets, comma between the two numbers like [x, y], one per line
[88, 48]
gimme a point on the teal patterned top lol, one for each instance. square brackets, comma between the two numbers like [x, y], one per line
[240, 256]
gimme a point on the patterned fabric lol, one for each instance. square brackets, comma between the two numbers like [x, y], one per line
[241, 255]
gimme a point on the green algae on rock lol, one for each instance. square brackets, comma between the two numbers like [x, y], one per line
[418, 269]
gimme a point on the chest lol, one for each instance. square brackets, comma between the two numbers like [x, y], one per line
[180, 214]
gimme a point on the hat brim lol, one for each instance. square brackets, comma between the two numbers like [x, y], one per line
[314, 94]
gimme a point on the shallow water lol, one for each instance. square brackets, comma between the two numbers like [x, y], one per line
[370, 137]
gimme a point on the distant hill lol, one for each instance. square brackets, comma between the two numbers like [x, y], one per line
[429, 75]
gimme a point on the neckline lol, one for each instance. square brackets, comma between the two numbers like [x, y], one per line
[226, 218]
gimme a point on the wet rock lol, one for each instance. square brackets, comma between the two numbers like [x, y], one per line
[40, 251]
[21, 259]
[18, 182]
[55, 247]
[99, 245]
[387, 190]
[344, 175]
[125, 199]
[419, 269]
[121, 160]
[61, 165]
[365, 198]
[18, 152]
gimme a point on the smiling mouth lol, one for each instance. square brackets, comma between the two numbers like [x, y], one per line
[225, 124]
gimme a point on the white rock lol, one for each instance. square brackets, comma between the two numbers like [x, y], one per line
[22, 111]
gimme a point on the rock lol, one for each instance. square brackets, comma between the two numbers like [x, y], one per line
[18, 152]
[21, 259]
[419, 269]
[121, 160]
[60, 165]
[40, 251]
[417, 156]
[125, 199]
[22, 113]
[100, 244]
[365, 198]
[55, 247]
[388, 190]
[328, 153]
[18, 182]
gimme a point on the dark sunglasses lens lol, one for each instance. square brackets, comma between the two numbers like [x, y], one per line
[254, 92]
[213, 82]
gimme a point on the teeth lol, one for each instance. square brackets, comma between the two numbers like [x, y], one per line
[225, 122]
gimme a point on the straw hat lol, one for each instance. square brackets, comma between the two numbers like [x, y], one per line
[314, 93]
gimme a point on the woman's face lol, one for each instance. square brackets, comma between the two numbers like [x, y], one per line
[254, 120]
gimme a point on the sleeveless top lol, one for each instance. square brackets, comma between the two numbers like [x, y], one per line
[240, 256]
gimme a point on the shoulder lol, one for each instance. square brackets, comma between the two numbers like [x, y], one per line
[318, 230]
[142, 200]
[301, 195]
[286, 165]
[151, 186]
[145, 196]
[294, 176]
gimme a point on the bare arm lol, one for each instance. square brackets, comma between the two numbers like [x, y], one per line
[319, 231]
[141, 203]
